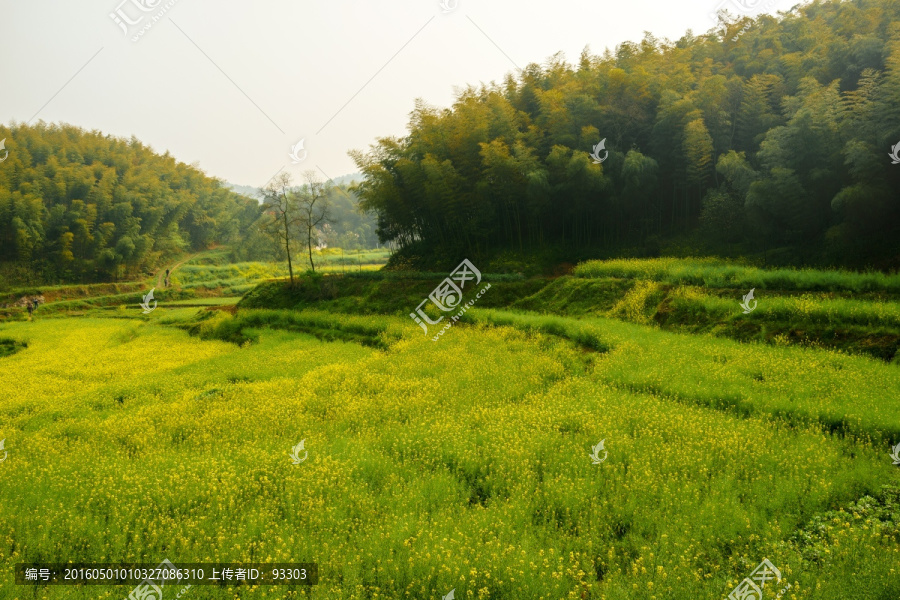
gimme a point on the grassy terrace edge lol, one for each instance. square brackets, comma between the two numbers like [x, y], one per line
[870, 328]
[715, 273]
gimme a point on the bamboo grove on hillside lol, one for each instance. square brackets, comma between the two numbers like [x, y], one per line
[778, 134]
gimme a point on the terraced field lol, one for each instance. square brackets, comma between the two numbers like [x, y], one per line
[463, 464]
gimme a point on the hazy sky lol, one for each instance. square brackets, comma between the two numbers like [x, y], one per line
[234, 85]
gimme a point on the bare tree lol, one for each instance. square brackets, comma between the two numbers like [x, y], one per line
[281, 203]
[313, 208]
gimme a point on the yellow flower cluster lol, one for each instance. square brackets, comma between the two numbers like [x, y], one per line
[461, 465]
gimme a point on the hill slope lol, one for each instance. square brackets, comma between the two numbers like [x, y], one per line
[765, 134]
[80, 206]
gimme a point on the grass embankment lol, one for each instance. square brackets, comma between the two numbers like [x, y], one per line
[326, 259]
[715, 273]
[864, 322]
[9, 346]
[200, 280]
[62, 293]
[70, 292]
[243, 327]
[854, 312]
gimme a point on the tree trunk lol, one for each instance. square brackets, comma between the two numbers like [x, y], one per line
[309, 247]
[287, 248]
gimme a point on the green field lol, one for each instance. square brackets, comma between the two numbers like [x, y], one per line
[712, 272]
[202, 279]
[134, 438]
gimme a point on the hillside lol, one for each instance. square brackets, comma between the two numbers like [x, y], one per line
[760, 134]
[854, 313]
[81, 206]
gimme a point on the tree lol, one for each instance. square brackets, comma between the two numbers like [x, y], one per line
[281, 204]
[313, 210]
[698, 149]
[797, 112]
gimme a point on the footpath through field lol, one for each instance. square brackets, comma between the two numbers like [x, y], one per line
[160, 276]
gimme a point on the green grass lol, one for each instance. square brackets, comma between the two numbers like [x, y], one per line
[205, 301]
[132, 300]
[714, 273]
[809, 308]
[461, 464]
[70, 292]
[369, 331]
[379, 293]
[849, 395]
[337, 256]
[826, 319]
[208, 272]
[8, 347]
[213, 276]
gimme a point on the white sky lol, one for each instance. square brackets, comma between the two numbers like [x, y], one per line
[233, 85]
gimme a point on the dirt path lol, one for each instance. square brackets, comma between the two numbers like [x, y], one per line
[161, 276]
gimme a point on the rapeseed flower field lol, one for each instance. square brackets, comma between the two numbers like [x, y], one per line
[462, 464]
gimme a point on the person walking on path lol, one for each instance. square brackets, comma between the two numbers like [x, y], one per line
[30, 307]
[167, 278]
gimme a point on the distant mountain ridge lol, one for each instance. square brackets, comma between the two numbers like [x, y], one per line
[348, 179]
[244, 190]
[253, 192]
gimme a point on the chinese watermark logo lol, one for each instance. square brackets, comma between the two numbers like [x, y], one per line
[596, 153]
[895, 454]
[449, 5]
[895, 153]
[151, 588]
[5, 453]
[146, 303]
[744, 7]
[295, 452]
[125, 21]
[146, 591]
[5, 156]
[751, 588]
[448, 297]
[595, 456]
[295, 152]
[743, 29]
[746, 303]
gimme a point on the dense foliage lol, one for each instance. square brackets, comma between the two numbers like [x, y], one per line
[78, 205]
[348, 228]
[758, 134]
